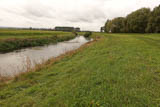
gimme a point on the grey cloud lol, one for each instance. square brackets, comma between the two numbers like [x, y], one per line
[15, 10]
[38, 10]
[30, 10]
[34, 12]
[87, 14]
[80, 20]
[98, 14]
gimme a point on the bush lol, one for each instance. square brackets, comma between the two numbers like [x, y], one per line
[75, 33]
[87, 34]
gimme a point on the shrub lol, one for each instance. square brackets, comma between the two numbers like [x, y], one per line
[87, 34]
[75, 33]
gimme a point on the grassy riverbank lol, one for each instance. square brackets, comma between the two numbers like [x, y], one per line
[17, 39]
[117, 70]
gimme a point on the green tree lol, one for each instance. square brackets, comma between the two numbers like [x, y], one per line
[137, 21]
[140, 21]
[154, 21]
[108, 26]
[118, 25]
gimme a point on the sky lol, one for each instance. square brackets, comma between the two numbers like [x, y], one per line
[86, 14]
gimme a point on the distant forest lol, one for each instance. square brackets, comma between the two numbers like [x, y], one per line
[141, 21]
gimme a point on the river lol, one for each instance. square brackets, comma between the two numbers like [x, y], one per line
[15, 62]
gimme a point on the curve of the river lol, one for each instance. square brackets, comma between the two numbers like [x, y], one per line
[16, 62]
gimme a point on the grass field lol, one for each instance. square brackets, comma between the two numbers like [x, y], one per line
[117, 70]
[15, 39]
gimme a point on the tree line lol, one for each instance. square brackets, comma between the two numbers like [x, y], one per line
[140, 21]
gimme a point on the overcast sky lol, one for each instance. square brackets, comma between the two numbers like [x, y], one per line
[86, 14]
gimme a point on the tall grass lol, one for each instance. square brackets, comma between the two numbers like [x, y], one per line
[12, 40]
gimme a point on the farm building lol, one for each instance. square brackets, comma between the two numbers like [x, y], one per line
[67, 29]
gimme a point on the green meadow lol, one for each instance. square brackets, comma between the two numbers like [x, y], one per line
[16, 39]
[116, 70]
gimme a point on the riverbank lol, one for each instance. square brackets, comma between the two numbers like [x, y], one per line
[17, 39]
[118, 69]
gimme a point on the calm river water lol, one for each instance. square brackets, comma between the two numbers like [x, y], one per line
[15, 62]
